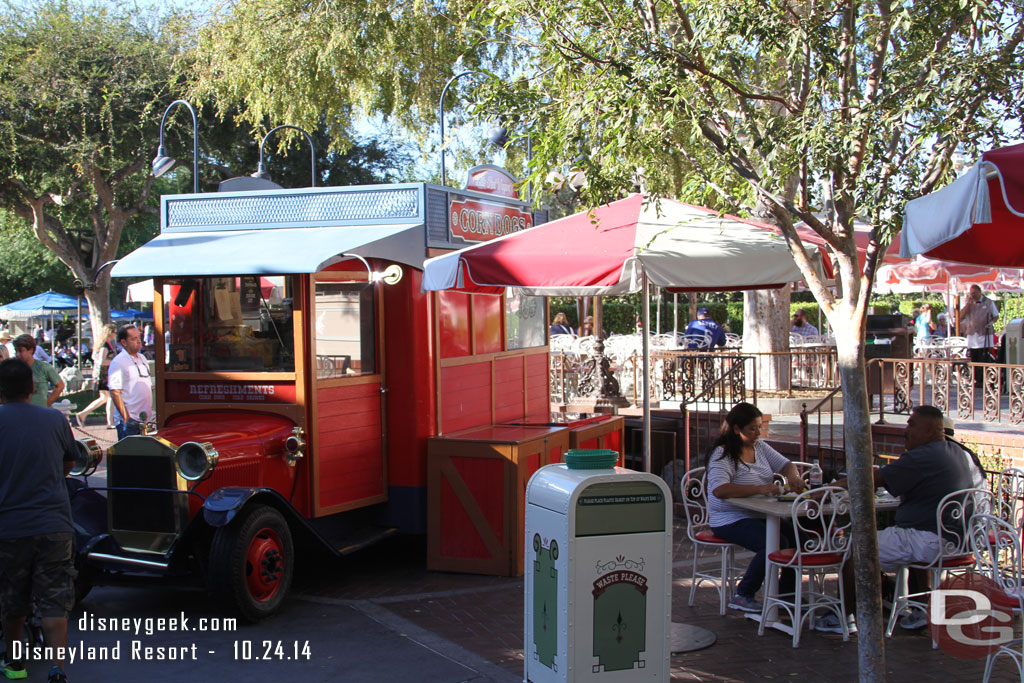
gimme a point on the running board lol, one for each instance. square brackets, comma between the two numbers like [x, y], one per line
[363, 538]
[129, 561]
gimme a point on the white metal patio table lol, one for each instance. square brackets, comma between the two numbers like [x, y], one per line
[774, 511]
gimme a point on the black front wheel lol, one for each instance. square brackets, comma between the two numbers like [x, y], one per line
[252, 561]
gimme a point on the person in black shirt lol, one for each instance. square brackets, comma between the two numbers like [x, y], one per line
[929, 469]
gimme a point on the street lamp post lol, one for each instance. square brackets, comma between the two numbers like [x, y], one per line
[261, 169]
[162, 163]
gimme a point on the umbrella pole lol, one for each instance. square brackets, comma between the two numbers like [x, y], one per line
[53, 341]
[675, 318]
[658, 297]
[78, 338]
[647, 371]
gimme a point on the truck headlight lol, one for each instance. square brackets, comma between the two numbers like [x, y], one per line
[195, 460]
[295, 446]
[88, 455]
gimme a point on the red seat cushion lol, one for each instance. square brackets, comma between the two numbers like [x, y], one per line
[1004, 600]
[708, 536]
[961, 561]
[807, 559]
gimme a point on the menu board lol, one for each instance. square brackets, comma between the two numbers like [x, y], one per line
[250, 294]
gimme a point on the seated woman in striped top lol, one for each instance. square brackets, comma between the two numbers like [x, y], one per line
[741, 465]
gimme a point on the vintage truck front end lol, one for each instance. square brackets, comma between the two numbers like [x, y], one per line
[171, 499]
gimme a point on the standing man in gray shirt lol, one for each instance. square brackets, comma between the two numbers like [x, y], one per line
[978, 316]
[37, 450]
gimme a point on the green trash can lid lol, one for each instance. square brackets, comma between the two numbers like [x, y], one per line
[591, 458]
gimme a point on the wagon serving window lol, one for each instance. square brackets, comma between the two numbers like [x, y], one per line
[229, 324]
[344, 328]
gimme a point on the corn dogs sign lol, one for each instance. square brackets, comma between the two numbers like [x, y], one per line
[476, 220]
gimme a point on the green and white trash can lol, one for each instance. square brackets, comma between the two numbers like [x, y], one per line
[598, 593]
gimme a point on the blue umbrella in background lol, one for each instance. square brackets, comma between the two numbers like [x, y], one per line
[130, 314]
[136, 314]
[40, 306]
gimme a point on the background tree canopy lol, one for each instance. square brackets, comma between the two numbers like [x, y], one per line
[83, 88]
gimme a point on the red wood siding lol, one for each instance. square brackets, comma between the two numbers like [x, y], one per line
[349, 447]
[508, 389]
[412, 384]
[465, 396]
[538, 399]
[461, 539]
[453, 318]
[487, 314]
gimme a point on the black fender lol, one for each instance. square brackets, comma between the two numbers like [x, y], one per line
[222, 505]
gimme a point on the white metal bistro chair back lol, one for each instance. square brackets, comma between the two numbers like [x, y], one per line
[561, 342]
[733, 340]
[956, 347]
[804, 469]
[584, 346]
[953, 520]
[665, 340]
[997, 553]
[699, 342]
[996, 545]
[693, 489]
[1010, 496]
[822, 524]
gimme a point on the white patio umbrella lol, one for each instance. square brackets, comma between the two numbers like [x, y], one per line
[623, 247]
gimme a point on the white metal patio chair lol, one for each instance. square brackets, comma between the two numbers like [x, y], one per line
[805, 469]
[997, 553]
[953, 520]
[693, 489]
[821, 523]
[699, 342]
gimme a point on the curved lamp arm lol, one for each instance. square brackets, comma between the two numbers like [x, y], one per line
[163, 163]
[440, 118]
[81, 286]
[261, 170]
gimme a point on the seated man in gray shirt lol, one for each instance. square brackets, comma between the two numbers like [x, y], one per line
[929, 469]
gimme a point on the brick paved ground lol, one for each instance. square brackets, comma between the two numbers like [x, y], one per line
[485, 616]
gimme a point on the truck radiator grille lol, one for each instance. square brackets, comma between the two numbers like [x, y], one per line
[143, 510]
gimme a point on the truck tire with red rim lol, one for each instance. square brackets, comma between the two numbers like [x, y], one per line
[252, 561]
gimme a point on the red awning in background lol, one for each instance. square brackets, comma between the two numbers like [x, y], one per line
[978, 218]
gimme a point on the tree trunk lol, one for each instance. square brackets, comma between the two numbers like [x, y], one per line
[859, 461]
[766, 329]
[99, 304]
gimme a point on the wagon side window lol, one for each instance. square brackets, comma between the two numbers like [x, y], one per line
[524, 321]
[344, 328]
